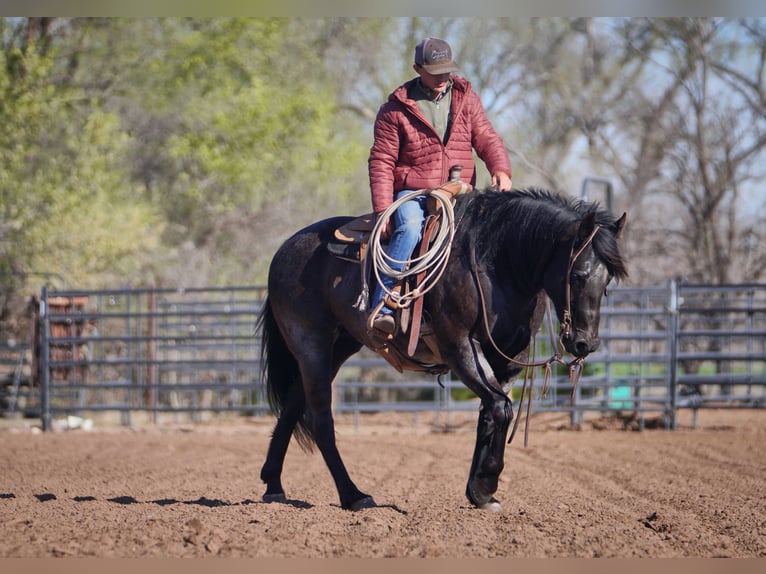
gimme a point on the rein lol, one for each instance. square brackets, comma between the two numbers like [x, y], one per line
[575, 366]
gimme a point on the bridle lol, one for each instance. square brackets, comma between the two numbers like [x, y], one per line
[575, 366]
[566, 322]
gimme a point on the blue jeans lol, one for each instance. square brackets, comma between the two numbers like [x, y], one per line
[408, 227]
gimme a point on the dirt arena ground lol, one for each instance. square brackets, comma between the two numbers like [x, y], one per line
[192, 490]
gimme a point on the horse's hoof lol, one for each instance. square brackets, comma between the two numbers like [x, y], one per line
[492, 505]
[276, 497]
[362, 503]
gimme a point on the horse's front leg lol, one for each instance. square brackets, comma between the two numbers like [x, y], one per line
[495, 417]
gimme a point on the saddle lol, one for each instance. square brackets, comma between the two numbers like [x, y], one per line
[350, 240]
[351, 243]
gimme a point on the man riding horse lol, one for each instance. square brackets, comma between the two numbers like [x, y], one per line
[483, 311]
[428, 125]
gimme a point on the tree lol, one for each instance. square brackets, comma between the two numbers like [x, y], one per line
[61, 184]
[684, 144]
[671, 109]
[216, 138]
[235, 134]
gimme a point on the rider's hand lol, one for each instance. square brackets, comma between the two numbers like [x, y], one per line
[501, 181]
[386, 232]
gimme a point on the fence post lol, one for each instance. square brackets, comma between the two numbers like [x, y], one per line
[673, 325]
[151, 353]
[44, 374]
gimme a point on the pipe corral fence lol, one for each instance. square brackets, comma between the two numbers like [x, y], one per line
[195, 351]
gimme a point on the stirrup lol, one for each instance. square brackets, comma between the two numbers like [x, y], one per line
[375, 316]
[385, 323]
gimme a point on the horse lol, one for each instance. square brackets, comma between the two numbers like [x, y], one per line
[510, 250]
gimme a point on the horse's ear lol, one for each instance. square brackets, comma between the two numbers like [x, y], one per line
[619, 225]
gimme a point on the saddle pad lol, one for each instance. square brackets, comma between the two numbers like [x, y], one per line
[348, 251]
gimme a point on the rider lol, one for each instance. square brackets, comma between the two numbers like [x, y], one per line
[428, 125]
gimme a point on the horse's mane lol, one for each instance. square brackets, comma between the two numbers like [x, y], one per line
[535, 219]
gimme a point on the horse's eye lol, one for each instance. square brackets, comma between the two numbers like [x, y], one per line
[578, 278]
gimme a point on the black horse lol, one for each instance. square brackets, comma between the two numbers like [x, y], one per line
[509, 251]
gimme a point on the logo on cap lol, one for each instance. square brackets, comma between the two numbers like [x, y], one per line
[435, 56]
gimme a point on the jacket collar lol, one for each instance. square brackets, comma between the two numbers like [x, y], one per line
[459, 87]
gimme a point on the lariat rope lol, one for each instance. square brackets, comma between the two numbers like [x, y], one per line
[432, 262]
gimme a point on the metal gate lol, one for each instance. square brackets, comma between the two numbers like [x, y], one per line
[678, 346]
[152, 350]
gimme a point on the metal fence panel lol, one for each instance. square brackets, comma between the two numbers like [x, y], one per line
[194, 351]
[181, 350]
[721, 345]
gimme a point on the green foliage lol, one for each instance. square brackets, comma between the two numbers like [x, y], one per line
[95, 233]
[67, 206]
[249, 128]
[165, 150]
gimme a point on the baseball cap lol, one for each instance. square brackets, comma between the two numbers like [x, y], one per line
[435, 56]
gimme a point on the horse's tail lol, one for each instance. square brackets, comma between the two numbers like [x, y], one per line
[282, 376]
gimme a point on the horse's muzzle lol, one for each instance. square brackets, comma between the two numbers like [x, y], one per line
[581, 346]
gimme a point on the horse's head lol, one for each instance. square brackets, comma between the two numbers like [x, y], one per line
[578, 278]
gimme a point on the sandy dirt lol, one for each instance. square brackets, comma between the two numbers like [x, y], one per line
[192, 490]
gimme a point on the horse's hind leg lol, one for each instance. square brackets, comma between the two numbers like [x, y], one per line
[318, 364]
[351, 498]
[271, 472]
[318, 373]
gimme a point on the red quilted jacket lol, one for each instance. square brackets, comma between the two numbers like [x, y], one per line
[407, 153]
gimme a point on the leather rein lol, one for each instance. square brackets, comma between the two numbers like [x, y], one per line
[575, 366]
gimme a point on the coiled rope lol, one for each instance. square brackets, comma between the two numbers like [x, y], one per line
[432, 262]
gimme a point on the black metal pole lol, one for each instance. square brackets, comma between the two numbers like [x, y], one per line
[673, 310]
[44, 374]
